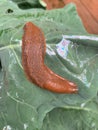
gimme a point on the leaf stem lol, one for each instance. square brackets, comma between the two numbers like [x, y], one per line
[9, 46]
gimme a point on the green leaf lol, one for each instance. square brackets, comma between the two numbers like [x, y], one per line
[25, 106]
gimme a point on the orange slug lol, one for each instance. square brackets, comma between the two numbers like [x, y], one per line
[33, 53]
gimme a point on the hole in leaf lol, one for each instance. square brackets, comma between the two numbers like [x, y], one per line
[0, 65]
[27, 5]
[9, 11]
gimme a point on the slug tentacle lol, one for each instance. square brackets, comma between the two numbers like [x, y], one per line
[33, 53]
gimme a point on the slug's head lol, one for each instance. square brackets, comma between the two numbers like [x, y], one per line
[30, 27]
[32, 32]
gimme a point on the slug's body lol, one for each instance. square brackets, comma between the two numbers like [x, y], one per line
[33, 52]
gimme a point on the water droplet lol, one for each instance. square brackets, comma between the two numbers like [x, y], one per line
[83, 104]
[0, 87]
[32, 119]
[17, 95]
[50, 51]
[25, 126]
[7, 127]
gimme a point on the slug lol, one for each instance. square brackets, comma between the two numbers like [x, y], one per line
[33, 53]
